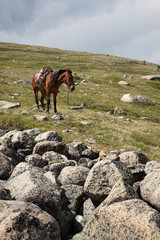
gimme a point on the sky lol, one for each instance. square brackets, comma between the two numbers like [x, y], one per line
[125, 28]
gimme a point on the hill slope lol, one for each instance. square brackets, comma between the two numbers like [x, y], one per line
[101, 93]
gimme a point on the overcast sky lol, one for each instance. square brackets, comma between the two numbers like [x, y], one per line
[126, 28]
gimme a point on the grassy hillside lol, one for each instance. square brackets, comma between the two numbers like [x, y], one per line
[102, 93]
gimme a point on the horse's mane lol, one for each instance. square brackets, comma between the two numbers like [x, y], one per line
[58, 73]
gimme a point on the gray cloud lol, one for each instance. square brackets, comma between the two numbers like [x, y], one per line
[128, 28]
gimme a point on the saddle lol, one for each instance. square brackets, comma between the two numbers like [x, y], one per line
[43, 74]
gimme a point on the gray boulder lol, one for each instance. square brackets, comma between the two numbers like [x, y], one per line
[150, 188]
[103, 176]
[22, 140]
[4, 194]
[21, 220]
[88, 208]
[54, 157]
[90, 153]
[6, 139]
[74, 196]
[56, 168]
[151, 166]
[135, 161]
[9, 153]
[131, 219]
[48, 136]
[30, 185]
[132, 159]
[6, 167]
[73, 153]
[133, 98]
[36, 160]
[79, 146]
[121, 191]
[73, 175]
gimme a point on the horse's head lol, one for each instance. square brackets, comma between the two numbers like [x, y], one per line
[69, 80]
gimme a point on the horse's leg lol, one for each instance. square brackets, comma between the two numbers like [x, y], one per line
[42, 99]
[48, 99]
[36, 96]
[54, 101]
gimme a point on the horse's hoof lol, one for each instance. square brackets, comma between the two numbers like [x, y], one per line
[47, 112]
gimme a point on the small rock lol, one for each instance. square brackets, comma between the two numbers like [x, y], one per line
[124, 83]
[41, 118]
[133, 98]
[7, 105]
[85, 123]
[57, 117]
[23, 82]
[119, 111]
[90, 140]
[37, 110]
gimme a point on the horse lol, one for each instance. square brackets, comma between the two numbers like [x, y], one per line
[49, 84]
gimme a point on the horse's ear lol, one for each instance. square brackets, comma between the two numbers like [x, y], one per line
[69, 71]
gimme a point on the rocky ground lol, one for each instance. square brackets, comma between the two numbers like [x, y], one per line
[51, 190]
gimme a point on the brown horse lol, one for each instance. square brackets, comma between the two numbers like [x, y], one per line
[50, 84]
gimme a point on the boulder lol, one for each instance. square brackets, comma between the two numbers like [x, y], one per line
[133, 98]
[54, 157]
[6, 139]
[121, 191]
[84, 162]
[132, 159]
[30, 185]
[36, 160]
[73, 153]
[42, 147]
[103, 176]
[33, 132]
[151, 166]
[79, 146]
[135, 161]
[21, 220]
[56, 168]
[88, 208]
[130, 219]
[6, 167]
[79, 223]
[48, 136]
[73, 196]
[22, 140]
[150, 188]
[9, 153]
[90, 153]
[4, 194]
[73, 175]
[151, 77]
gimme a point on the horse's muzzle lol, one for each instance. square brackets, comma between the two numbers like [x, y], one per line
[72, 89]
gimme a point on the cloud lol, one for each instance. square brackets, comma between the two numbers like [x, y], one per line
[127, 28]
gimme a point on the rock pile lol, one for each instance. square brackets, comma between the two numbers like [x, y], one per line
[50, 190]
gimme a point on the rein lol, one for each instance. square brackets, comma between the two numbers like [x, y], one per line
[68, 97]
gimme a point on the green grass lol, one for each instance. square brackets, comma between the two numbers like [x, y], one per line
[101, 93]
